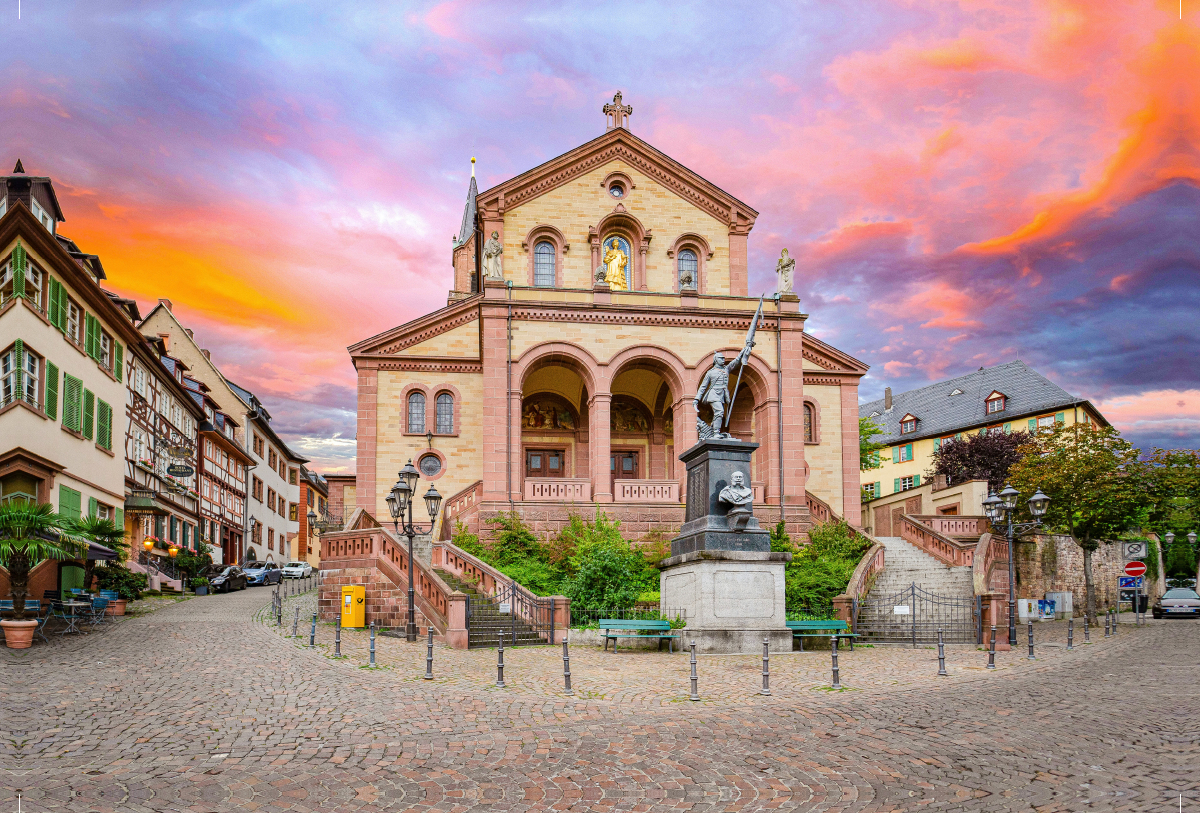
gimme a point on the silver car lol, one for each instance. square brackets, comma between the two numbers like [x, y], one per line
[297, 570]
[1178, 602]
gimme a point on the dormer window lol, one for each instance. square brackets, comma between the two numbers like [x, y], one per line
[995, 402]
[957, 391]
[908, 424]
[42, 215]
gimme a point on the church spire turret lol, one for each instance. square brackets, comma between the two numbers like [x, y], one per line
[617, 114]
[467, 230]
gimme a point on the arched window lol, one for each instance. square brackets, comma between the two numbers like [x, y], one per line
[809, 432]
[445, 414]
[687, 268]
[416, 412]
[543, 264]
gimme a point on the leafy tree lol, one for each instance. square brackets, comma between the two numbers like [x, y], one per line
[868, 450]
[987, 456]
[822, 569]
[192, 562]
[1093, 479]
[29, 534]
[103, 532]
[121, 580]
[1172, 479]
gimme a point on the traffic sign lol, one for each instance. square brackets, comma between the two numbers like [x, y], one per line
[1135, 550]
[1132, 583]
[1135, 569]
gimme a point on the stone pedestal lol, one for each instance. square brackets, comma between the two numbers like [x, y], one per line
[733, 599]
[707, 522]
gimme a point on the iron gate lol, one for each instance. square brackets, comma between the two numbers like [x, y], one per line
[914, 616]
[525, 619]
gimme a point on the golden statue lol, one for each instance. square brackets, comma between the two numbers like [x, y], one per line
[616, 262]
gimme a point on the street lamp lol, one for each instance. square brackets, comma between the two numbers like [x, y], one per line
[400, 505]
[1000, 510]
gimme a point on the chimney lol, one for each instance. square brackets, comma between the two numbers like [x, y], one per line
[188, 330]
[166, 341]
[207, 355]
[166, 303]
[887, 397]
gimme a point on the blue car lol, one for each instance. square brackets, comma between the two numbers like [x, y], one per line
[263, 573]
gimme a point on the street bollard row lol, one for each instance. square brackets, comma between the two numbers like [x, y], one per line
[766, 687]
[337, 638]
[1070, 634]
[833, 644]
[567, 669]
[296, 623]
[372, 663]
[312, 635]
[941, 655]
[992, 650]
[500, 662]
[1031, 655]
[1087, 632]
[1107, 624]
[695, 695]
[429, 656]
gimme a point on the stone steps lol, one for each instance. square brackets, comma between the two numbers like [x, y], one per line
[486, 622]
[906, 565]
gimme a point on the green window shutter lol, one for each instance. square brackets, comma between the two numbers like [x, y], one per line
[62, 308]
[69, 501]
[879, 489]
[93, 337]
[1060, 417]
[896, 486]
[118, 360]
[916, 480]
[895, 454]
[52, 305]
[89, 413]
[910, 452]
[120, 521]
[51, 391]
[18, 263]
[104, 424]
[92, 507]
[1007, 428]
[937, 444]
[72, 402]
[1033, 424]
[19, 370]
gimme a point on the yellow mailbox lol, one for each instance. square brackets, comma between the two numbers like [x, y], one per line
[354, 606]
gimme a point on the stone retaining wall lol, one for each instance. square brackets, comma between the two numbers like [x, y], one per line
[1050, 563]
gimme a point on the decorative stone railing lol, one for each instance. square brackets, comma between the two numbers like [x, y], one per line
[950, 525]
[990, 576]
[646, 491]
[558, 489]
[461, 505]
[861, 582]
[818, 509]
[947, 550]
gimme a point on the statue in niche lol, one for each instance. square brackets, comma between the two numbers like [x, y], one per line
[740, 499]
[493, 257]
[615, 264]
[784, 270]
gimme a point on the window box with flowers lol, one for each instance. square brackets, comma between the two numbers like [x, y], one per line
[148, 465]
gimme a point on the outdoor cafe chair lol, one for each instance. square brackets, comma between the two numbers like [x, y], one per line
[98, 611]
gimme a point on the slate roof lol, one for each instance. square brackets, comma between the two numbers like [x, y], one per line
[467, 230]
[939, 413]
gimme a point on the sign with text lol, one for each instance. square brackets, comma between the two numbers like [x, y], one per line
[901, 609]
[180, 470]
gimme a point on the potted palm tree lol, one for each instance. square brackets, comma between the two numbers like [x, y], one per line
[29, 534]
[103, 532]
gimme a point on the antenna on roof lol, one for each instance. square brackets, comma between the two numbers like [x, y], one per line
[472, 166]
[18, 169]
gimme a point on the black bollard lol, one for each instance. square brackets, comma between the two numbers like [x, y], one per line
[1087, 632]
[992, 650]
[1116, 615]
[337, 638]
[941, 656]
[372, 664]
[312, 634]
[1031, 656]
[500, 662]
[766, 687]
[1070, 634]
[429, 656]
[567, 670]
[296, 623]
[1107, 624]
[695, 677]
[833, 645]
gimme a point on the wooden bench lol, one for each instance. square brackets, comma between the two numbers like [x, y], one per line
[646, 629]
[822, 629]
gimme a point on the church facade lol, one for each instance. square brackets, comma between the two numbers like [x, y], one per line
[590, 295]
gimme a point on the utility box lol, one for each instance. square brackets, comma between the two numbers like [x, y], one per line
[354, 606]
[1064, 604]
[1027, 609]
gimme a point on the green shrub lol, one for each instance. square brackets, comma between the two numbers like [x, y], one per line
[120, 579]
[151, 593]
[823, 568]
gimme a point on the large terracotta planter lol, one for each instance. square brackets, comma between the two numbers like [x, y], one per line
[116, 606]
[18, 634]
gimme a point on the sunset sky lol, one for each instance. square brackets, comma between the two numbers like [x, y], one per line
[962, 183]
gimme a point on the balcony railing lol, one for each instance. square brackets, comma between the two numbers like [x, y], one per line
[558, 489]
[646, 491]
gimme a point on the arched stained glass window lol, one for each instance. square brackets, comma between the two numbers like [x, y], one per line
[543, 264]
[445, 414]
[809, 431]
[688, 268]
[416, 412]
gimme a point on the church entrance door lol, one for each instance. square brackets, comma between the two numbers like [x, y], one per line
[624, 466]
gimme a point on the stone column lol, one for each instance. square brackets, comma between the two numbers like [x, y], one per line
[685, 436]
[368, 432]
[599, 446]
[515, 451]
[494, 352]
[851, 478]
[657, 463]
[791, 401]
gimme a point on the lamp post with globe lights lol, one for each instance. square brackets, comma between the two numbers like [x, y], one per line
[400, 504]
[1000, 510]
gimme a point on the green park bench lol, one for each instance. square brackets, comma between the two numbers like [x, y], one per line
[826, 628]
[645, 629]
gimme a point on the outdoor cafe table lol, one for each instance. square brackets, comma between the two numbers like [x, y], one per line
[74, 615]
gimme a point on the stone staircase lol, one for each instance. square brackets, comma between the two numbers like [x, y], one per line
[486, 621]
[905, 565]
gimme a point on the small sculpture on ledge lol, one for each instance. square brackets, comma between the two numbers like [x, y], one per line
[740, 498]
[493, 257]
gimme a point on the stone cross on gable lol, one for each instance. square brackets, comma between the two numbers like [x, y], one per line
[617, 114]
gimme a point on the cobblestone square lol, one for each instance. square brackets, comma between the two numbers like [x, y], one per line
[166, 712]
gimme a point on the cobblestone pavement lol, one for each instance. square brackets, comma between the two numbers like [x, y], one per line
[205, 706]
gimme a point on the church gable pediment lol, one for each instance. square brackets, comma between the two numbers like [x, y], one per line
[822, 356]
[421, 334]
[618, 146]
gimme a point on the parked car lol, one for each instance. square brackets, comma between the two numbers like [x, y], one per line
[263, 573]
[1177, 602]
[297, 570]
[224, 578]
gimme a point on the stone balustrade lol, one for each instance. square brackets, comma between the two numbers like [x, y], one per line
[943, 548]
[951, 525]
[646, 491]
[558, 489]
